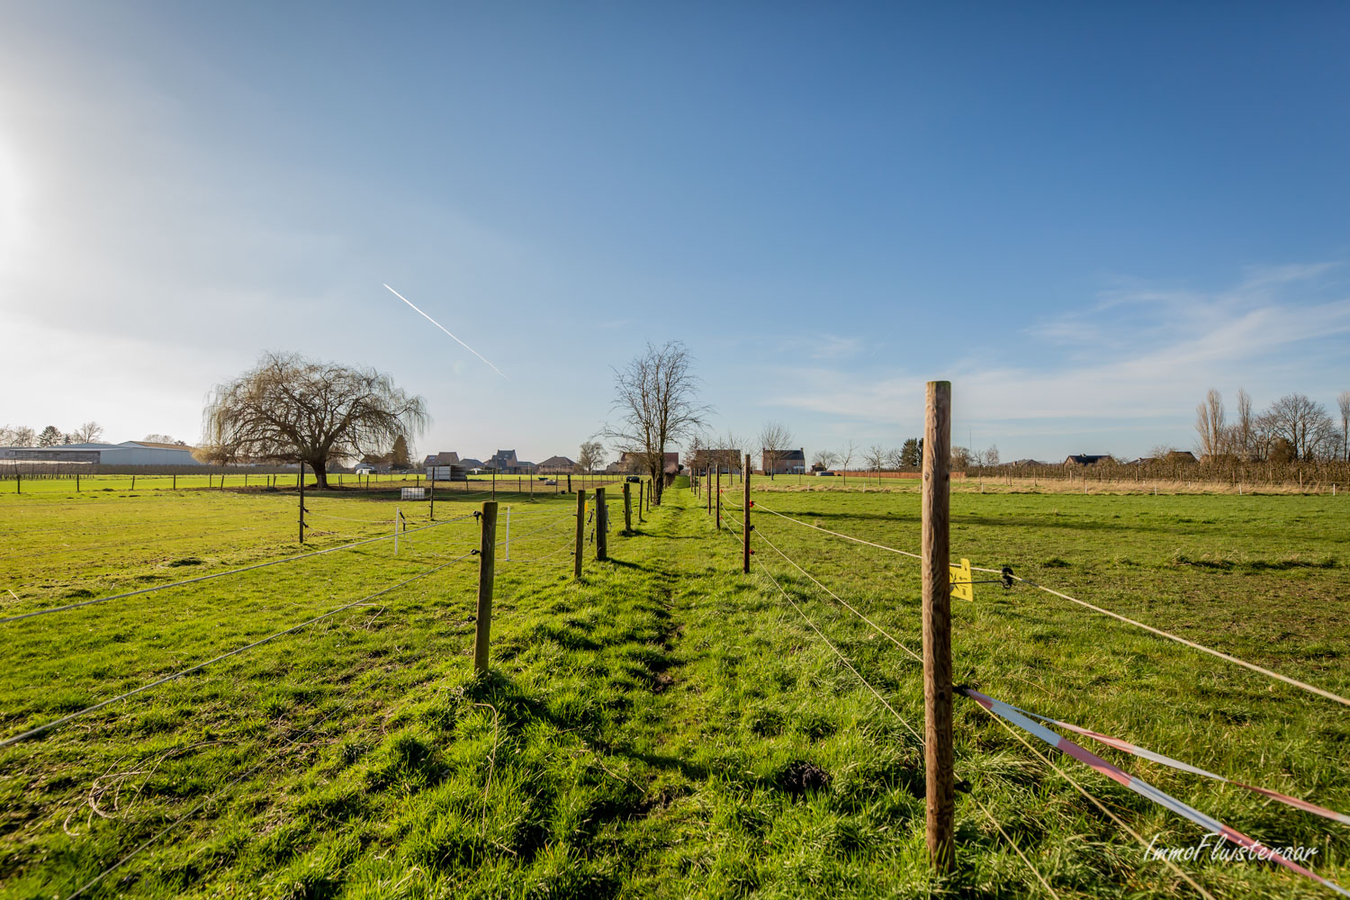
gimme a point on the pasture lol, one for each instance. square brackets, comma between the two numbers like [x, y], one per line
[667, 727]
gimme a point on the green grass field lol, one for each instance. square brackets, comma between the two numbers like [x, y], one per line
[667, 728]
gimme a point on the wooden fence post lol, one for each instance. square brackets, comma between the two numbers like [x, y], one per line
[627, 509]
[601, 524]
[301, 481]
[745, 517]
[713, 487]
[940, 799]
[581, 531]
[487, 567]
[642, 492]
[718, 499]
[431, 483]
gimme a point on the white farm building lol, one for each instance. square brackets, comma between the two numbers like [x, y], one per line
[129, 453]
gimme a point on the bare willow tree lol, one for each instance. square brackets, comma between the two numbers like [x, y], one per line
[292, 409]
[590, 456]
[655, 396]
[774, 439]
[1209, 425]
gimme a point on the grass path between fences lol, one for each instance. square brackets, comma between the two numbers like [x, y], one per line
[667, 728]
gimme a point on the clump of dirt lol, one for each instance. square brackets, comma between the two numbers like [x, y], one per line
[798, 778]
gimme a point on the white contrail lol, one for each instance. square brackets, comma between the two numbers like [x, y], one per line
[446, 330]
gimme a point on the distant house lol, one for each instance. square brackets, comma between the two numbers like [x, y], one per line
[470, 463]
[1180, 456]
[1085, 459]
[729, 459]
[506, 463]
[783, 462]
[556, 465]
[631, 463]
[445, 466]
[1026, 463]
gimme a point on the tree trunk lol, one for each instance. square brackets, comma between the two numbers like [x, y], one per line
[319, 465]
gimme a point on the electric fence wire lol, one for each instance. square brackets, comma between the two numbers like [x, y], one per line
[201, 578]
[878, 695]
[265, 762]
[1106, 612]
[1016, 849]
[33, 732]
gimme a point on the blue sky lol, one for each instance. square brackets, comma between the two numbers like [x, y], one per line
[1083, 216]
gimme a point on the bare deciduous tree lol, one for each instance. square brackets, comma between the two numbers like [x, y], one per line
[87, 433]
[1300, 421]
[846, 458]
[590, 456]
[990, 456]
[17, 436]
[774, 439]
[1343, 401]
[824, 458]
[1242, 434]
[895, 458]
[291, 409]
[655, 396]
[960, 458]
[158, 438]
[1209, 425]
[875, 457]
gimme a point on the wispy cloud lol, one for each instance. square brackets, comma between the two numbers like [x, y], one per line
[1146, 353]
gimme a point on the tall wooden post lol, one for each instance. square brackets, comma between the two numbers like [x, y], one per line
[494, 485]
[431, 483]
[718, 499]
[569, 482]
[581, 531]
[601, 525]
[940, 798]
[301, 481]
[627, 509]
[745, 517]
[642, 486]
[713, 488]
[487, 567]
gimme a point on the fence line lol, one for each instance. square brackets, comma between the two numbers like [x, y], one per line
[32, 732]
[262, 565]
[1106, 612]
[1079, 787]
[1130, 781]
[918, 737]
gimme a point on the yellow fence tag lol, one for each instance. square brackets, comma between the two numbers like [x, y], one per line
[961, 581]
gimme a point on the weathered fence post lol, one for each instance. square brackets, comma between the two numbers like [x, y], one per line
[508, 534]
[581, 531]
[745, 517]
[713, 488]
[300, 481]
[627, 509]
[642, 491]
[431, 483]
[396, 514]
[487, 567]
[718, 499]
[77, 484]
[601, 525]
[569, 482]
[940, 800]
[133, 482]
[494, 485]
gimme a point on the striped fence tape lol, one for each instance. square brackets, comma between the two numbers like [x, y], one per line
[1153, 756]
[1141, 787]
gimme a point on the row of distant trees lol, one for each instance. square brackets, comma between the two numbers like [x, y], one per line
[51, 436]
[1293, 428]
